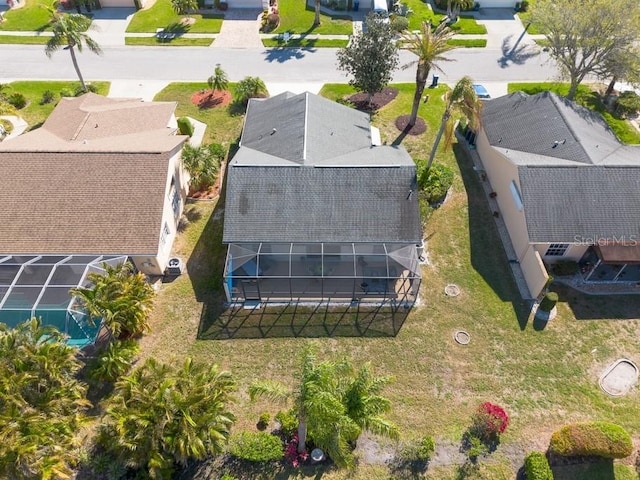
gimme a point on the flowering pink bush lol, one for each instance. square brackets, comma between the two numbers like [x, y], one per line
[291, 452]
[490, 420]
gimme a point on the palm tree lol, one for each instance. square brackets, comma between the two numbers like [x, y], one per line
[250, 87]
[120, 298]
[161, 415]
[203, 164]
[316, 20]
[219, 81]
[69, 33]
[429, 46]
[41, 402]
[461, 99]
[182, 7]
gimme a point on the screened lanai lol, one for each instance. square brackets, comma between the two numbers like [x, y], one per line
[38, 286]
[285, 272]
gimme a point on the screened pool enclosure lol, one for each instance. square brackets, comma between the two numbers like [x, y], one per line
[38, 286]
[332, 272]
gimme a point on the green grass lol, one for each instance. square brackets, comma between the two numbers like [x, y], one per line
[161, 15]
[35, 113]
[295, 17]
[468, 43]
[171, 42]
[33, 16]
[421, 12]
[304, 43]
[20, 40]
[586, 97]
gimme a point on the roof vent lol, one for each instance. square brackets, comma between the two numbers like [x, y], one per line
[559, 142]
[273, 131]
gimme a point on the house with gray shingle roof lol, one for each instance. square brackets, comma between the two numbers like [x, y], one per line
[317, 209]
[100, 181]
[566, 187]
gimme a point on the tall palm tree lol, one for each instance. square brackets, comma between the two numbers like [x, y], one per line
[161, 415]
[462, 99]
[219, 81]
[69, 33]
[429, 46]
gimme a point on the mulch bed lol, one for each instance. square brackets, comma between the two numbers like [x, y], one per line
[379, 100]
[211, 99]
[402, 123]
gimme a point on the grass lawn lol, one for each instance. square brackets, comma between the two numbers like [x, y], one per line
[543, 377]
[35, 113]
[304, 43]
[422, 12]
[20, 40]
[161, 15]
[31, 17]
[169, 42]
[587, 97]
[468, 43]
[296, 17]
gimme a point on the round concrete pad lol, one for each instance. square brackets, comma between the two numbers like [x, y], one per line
[618, 378]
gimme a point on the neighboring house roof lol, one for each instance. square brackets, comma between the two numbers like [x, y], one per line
[578, 182]
[318, 178]
[77, 200]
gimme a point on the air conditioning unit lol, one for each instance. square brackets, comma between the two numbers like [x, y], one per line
[174, 267]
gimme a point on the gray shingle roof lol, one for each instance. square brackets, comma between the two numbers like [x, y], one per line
[317, 178]
[585, 187]
[584, 204]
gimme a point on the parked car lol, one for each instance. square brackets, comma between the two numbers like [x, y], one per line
[481, 92]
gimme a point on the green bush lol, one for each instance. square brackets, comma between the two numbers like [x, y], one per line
[185, 126]
[256, 446]
[288, 422]
[524, 6]
[113, 361]
[548, 302]
[6, 125]
[250, 87]
[435, 181]
[81, 91]
[18, 100]
[601, 439]
[536, 467]
[565, 267]
[66, 92]
[263, 421]
[425, 449]
[48, 96]
[399, 23]
[628, 103]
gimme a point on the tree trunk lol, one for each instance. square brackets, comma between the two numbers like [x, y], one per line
[302, 434]
[436, 142]
[573, 89]
[316, 21]
[75, 65]
[421, 81]
[611, 86]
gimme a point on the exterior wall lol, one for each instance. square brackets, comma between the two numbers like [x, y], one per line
[573, 253]
[497, 3]
[118, 3]
[500, 173]
[534, 271]
[247, 4]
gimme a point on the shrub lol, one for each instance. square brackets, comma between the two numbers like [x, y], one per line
[7, 126]
[263, 421]
[113, 361]
[81, 91]
[185, 126]
[524, 6]
[256, 446]
[203, 164]
[250, 87]
[273, 20]
[425, 449]
[548, 301]
[475, 447]
[565, 267]
[66, 92]
[48, 96]
[536, 467]
[18, 100]
[288, 422]
[628, 103]
[399, 23]
[601, 439]
[435, 181]
[489, 421]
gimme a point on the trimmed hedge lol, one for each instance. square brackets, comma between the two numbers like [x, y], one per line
[602, 439]
[256, 446]
[536, 467]
[185, 126]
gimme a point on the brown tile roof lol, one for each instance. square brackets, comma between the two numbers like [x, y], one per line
[69, 187]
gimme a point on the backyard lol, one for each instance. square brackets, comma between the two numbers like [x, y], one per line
[543, 375]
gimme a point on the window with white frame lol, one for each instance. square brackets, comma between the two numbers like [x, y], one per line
[515, 192]
[174, 197]
[165, 233]
[557, 250]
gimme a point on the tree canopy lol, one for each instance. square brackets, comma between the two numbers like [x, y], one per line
[583, 35]
[371, 57]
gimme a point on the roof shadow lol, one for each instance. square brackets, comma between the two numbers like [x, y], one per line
[488, 257]
[599, 307]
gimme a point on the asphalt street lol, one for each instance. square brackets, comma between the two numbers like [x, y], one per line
[272, 65]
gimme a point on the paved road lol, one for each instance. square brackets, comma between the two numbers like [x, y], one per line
[272, 65]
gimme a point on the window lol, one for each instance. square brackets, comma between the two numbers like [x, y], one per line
[517, 198]
[165, 233]
[557, 249]
[174, 197]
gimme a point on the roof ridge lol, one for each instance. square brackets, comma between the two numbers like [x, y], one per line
[556, 99]
[306, 124]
